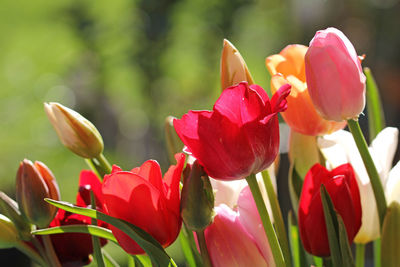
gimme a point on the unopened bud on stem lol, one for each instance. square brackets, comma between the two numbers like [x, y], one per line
[75, 132]
[35, 182]
[197, 200]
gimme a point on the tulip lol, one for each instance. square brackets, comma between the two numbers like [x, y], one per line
[143, 198]
[197, 200]
[88, 181]
[342, 187]
[301, 115]
[75, 132]
[73, 249]
[236, 238]
[240, 136]
[8, 233]
[35, 182]
[9, 208]
[334, 76]
[339, 148]
[233, 67]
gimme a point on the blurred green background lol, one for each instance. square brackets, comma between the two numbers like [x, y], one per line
[126, 65]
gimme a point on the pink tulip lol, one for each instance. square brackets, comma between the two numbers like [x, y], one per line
[334, 76]
[236, 238]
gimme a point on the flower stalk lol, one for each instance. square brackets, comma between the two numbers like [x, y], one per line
[377, 187]
[266, 221]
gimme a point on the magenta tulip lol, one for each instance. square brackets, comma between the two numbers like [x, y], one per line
[334, 76]
[240, 136]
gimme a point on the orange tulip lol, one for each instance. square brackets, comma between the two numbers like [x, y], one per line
[288, 67]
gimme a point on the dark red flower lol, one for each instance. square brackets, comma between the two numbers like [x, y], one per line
[342, 187]
[240, 136]
[73, 249]
[143, 198]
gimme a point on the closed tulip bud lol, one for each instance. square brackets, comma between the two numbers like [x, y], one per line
[334, 76]
[391, 236]
[75, 132]
[342, 187]
[8, 233]
[10, 209]
[233, 67]
[197, 198]
[174, 144]
[35, 182]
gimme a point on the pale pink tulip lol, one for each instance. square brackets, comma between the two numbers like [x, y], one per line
[229, 243]
[334, 76]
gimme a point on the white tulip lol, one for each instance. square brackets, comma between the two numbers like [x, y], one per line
[339, 148]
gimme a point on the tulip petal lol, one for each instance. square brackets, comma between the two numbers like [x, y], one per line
[251, 221]
[228, 242]
[89, 180]
[151, 171]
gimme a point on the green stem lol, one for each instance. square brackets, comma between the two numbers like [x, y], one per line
[95, 240]
[30, 252]
[51, 254]
[93, 167]
[268, 228]
[39, 248]
[203, 249]
[377, 253]
[371, 169]
[100, 165]
[360, 252]
[278, 218]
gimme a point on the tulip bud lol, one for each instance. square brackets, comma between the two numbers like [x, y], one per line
[8, 233]
[35, 182]
[9, 208]
[390, 241]
[75, 132]
[334, 76]
[233, 67]
[197, 200]
[174, 144]
[342, 187]
[303, 151]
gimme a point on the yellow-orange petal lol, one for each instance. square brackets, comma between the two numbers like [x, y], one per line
[301, 115]
[233, 67]
[290, 61]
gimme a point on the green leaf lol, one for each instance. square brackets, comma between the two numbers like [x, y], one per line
[155, 251]
[192, 259]
[110, 262]
[390, 239]
[97, 255]
[299, 256]
[376, 119]
[347, 256]
[139, 261]
[78, 228]
[295, 185]
[331, 227]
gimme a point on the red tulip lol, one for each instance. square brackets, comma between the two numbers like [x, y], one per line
[342, 187]
[74, 248]
[143, 198]
[334, 76]
[240, 136]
